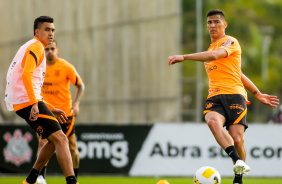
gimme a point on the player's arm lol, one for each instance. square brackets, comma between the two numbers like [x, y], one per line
[60, 115]
[199, 56]
[29, 66]
[269, 100]
[79, 93]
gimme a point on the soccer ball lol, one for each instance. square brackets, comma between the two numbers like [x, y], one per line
[163, 182]
[207, 175]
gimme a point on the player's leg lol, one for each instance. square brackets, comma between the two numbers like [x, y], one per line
[69, 131]
[74, 153]
[61, 145]
[49, 127]
[41, 127]
[216, 122]
[237, 133]
[236, 109]
[42, 174]
[60, 141]
[44, 155]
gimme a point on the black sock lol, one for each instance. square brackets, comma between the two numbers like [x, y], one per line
[71, 180]
[43, 171]
[75, 170]
[231, 151]
[238, 179]
[31, 178]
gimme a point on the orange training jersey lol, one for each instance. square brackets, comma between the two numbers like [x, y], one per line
[225, 74]
[26, 75]
[56, 87]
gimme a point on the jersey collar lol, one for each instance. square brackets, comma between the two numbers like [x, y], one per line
[39, 41]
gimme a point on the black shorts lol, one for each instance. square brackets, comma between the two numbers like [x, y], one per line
[68, 128]
[45, 125]
[232, 106]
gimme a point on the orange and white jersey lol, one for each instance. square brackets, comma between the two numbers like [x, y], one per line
[26, 74]
[225, 73]
[56, 87]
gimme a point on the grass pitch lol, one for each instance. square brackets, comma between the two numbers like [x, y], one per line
[135, 180]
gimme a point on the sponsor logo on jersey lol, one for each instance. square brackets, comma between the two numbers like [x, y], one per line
[237, 106]
[210, 68]
[227, 43]
[39, 129]
[209, 105]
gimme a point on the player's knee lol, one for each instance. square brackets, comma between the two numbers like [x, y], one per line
[72, 148]
[63, 138]
[74, 151]
[59, 138]
[238, 141]
[213, 124]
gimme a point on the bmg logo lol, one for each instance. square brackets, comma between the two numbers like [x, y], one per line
[111, 146]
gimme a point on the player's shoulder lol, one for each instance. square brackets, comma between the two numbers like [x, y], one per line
[227, 40]
[65, 63]
[231, 38]
[36, 46]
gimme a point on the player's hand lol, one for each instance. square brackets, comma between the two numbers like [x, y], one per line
[60, 115]
[34, 112]
[175, 59]
[75, 109]
[269, 100]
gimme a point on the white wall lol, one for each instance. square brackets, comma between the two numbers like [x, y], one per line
[181, 149]
[119, 47]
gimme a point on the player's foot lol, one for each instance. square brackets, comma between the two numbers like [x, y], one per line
[25, 182]
[41, 180]
[241, 167]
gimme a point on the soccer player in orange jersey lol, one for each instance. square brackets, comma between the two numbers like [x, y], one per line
[56, 90]
[227, 99]
[23, 95]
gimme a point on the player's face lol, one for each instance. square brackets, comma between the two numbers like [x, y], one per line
[216, 26]
[45, 33]
[51, 51]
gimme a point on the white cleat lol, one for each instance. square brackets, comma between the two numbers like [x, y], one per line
[41, 180]
[241, 167]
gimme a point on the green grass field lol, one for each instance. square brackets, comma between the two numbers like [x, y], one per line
[136, 180]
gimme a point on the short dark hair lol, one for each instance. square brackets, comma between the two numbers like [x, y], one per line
[40, 20]
[216, 12]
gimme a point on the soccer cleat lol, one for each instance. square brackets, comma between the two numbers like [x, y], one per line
[41, 180]
[25, 182]
[241, 167]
